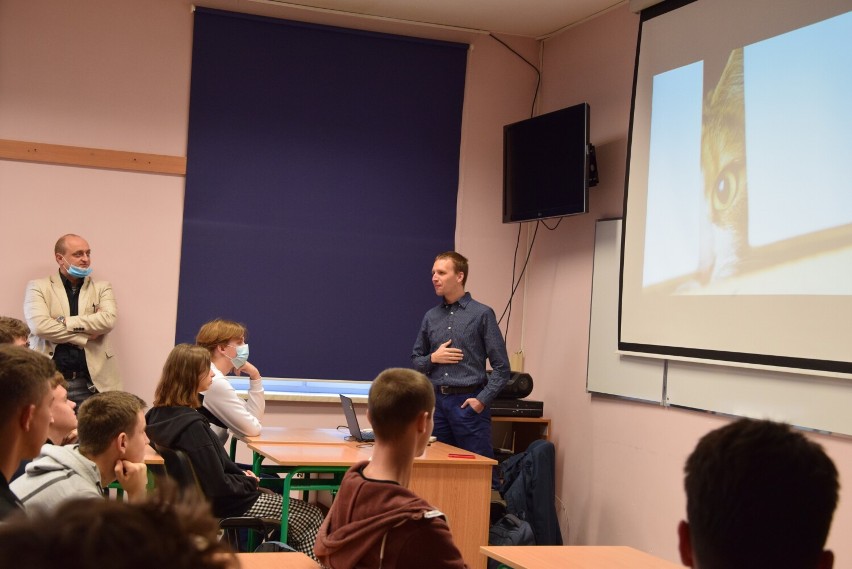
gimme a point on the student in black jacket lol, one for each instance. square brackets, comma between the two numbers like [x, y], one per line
[174, 422]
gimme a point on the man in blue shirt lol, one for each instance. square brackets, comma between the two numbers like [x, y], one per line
[454, 341]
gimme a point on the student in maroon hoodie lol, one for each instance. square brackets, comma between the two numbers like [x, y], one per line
[376, 521]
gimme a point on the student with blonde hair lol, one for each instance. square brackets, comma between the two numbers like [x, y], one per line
[226, 342]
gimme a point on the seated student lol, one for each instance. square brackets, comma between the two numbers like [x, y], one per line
[376, 521]
[13, 331]
[171, 532]
[24, 414]
[759, 496]
[175, 423]
[63, 429]
[111, 430]
[225, 340]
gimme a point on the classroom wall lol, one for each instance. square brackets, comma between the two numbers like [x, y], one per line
[115, 74]
[619, 463]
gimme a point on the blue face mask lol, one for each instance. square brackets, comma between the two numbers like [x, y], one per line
[77, 272]
[242, 356]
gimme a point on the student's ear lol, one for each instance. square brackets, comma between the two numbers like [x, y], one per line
[25, 419]
[121, 444]
[422, 421]
[826, 560]
[685, 544]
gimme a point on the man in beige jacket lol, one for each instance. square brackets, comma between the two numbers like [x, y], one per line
[70, 317]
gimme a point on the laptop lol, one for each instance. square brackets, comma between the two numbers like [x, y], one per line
[352, 422]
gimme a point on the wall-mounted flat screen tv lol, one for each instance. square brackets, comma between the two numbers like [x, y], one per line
[546, 165]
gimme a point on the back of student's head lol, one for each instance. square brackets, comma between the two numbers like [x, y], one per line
[759, 495]
[172, 531]
[24, 379]
[12, 329]
[397, 397]
[104, 416]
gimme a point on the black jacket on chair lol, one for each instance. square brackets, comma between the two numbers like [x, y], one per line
[529, 490]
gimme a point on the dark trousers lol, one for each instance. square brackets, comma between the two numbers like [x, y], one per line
[80, 388]
[464, 428]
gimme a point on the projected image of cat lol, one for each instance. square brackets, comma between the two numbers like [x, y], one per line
[724, 231]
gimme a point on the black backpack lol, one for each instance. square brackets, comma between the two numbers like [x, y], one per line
[509, 530]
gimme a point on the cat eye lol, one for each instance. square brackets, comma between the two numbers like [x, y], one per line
[727, 186]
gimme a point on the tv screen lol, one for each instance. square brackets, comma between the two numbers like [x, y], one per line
[546, 165]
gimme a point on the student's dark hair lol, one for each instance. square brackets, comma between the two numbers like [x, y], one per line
[11, 329]
[178, 385]
[172, 531]
[759, 495]
[24, 379]
[460, 264]
[397, 396]
[104, 416]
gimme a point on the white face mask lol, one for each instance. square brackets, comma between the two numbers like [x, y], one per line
[242, 356]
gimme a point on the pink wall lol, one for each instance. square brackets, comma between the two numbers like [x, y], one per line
[619, 463]
[115, 74]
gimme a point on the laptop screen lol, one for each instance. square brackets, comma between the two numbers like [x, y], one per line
[351, 417]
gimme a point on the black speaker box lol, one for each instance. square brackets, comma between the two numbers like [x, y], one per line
[516, 408]
[519, 386]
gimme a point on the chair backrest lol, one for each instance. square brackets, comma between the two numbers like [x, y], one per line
[179, 468]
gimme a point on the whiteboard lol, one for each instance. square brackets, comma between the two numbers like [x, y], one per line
[809, 401]
[609, 372]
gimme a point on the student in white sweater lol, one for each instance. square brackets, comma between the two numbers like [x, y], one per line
[225, 340]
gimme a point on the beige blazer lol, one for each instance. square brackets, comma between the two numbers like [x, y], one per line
[46, 299]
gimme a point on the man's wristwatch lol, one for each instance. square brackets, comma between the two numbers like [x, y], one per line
[61, 320]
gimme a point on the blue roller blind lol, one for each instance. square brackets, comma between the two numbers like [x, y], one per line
[322, 178]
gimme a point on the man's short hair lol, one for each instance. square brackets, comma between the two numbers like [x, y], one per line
[58, 380]
[460, 264]
[104, 416]
[759, 495]
[218, 332]
[12, 329]
[60, 246]
[24, 379]
[397, 397]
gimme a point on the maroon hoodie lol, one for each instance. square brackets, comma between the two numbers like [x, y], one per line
[379, 524]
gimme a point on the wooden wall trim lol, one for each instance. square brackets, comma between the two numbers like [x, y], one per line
[92, 157]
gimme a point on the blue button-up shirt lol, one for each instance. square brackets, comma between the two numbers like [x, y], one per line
[473, 329]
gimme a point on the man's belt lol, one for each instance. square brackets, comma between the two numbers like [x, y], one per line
[457, 389]
[69, 375]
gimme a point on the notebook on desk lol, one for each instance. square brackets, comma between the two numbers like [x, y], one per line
[359, 435]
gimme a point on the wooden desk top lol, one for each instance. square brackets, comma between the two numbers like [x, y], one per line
[289, 435]
[344, 454]
[152, 456]
[277, 560]
[574, 557]
[348, 453]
